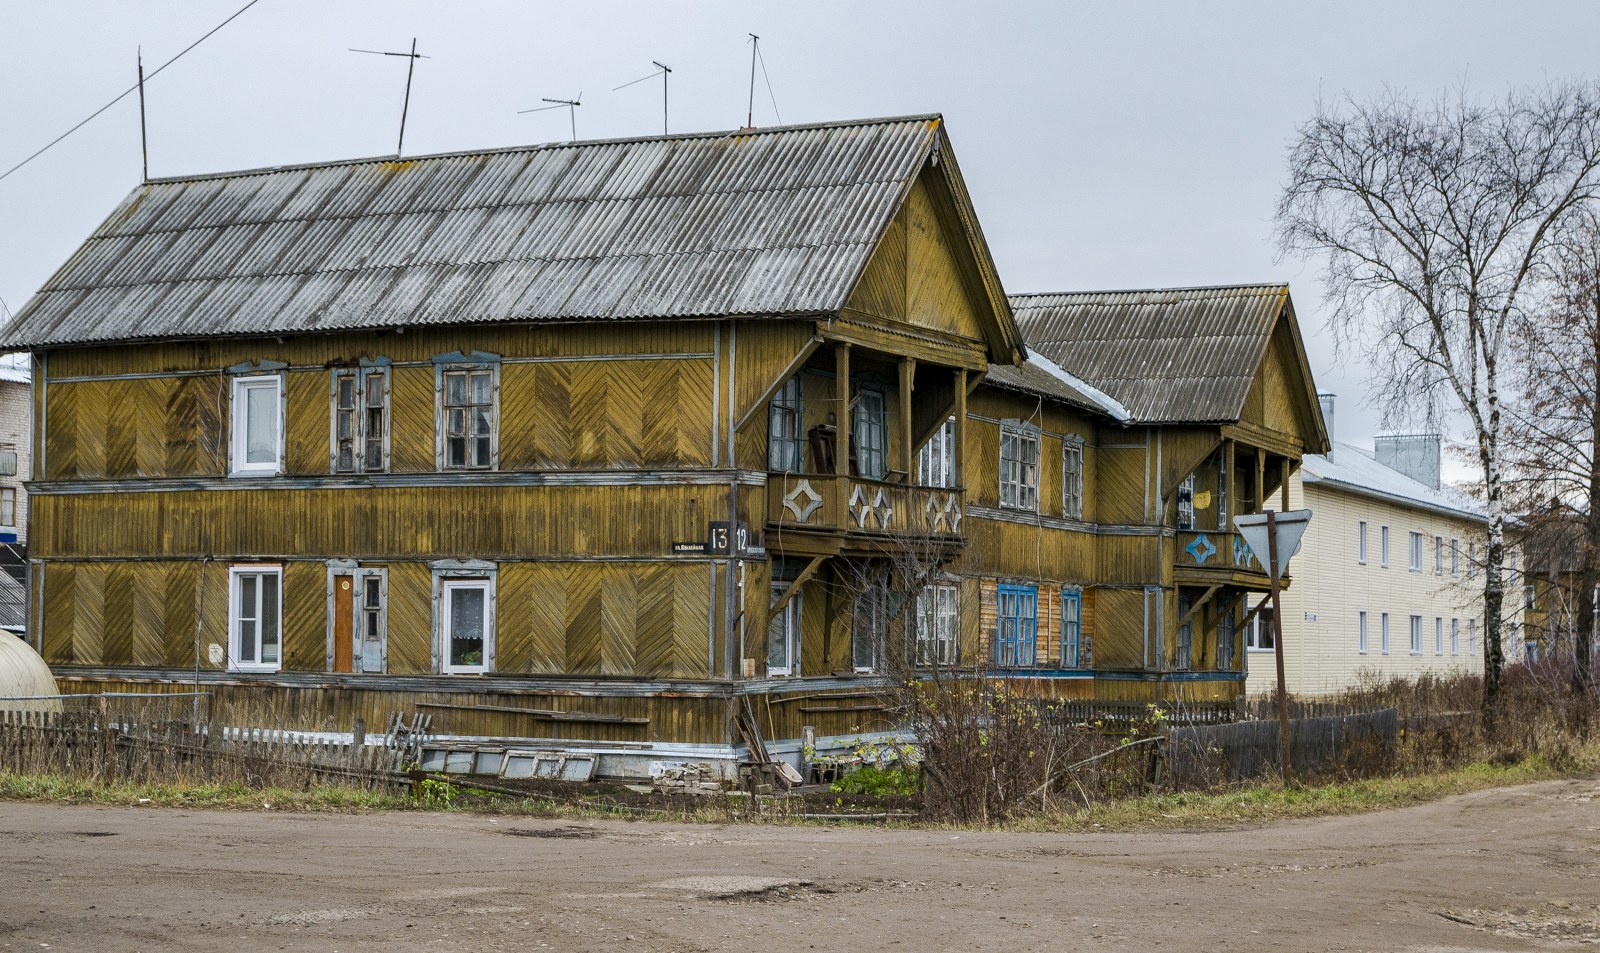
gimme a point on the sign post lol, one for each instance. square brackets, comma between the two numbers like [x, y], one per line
[1279, 535]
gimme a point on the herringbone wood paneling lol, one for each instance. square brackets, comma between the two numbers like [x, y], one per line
[410, 619]
[583, 622]
[88, 624]
[60, 601]
[177, 612]
[413, 427]
[144, 612]
[61, 432]
[118, 609]
[305, 617]
[530, 619]
[619, 602]
[654, 647]
[307, 414]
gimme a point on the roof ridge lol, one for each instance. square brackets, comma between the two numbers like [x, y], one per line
[1260, 285]
[542, 146]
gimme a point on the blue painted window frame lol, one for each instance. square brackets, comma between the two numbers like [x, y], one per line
[1016, 625]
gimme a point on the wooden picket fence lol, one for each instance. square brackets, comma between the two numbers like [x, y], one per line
[99, 747]
[1116, 713]
[1358, 743]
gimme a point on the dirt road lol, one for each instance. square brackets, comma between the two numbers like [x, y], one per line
[1514, 869]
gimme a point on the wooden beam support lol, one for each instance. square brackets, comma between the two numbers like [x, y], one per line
[908, 447]
[791, 370]
[1261, 479]
[1248, 616]
[1195, 609]
[841, 415]
[960, 453]
[1283, 482]
[794, 587]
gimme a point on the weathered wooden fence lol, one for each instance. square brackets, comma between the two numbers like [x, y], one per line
[103, 747]
[1362, 741]
[1088, 711]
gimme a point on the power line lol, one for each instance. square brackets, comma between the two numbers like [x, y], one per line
[122, 95]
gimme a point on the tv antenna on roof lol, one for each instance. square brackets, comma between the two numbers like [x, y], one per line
[662, 70]
[572, 110]
[411, 66]
[755, 57]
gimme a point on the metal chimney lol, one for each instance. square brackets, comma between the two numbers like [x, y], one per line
[1414, 454]
[1326, 398]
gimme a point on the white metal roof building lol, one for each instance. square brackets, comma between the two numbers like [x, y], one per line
[1386, 582]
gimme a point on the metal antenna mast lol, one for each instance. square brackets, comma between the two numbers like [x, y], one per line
[144, 139]
[411, 66]
[572, 109]
[750, 108]
[662, 70]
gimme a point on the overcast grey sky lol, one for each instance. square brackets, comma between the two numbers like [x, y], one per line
[1106, 145]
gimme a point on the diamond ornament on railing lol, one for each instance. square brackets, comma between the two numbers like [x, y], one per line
[1201, 549]
[802, 501]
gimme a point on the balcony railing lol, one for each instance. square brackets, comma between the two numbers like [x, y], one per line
[855, 505]
[1216, 550]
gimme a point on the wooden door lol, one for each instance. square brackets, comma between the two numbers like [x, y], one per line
[343, 624]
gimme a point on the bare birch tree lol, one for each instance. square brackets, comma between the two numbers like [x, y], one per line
[1555, 429]
[1435, 221]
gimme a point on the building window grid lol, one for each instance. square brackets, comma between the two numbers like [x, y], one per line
[469, 424]
[784, 417]
[1072, 479]
[8, 506]
[1438, 555]
[1455, 557]
[1383, 633]
[1361, 632]
[360, 420]
[1227, 631]
[1017, 623]
[257, 445]
[1438, 635]
[937, 623]
[783, 634]
[1258, 636]
[1186, 503]
[1455, 636]
[870, 433]
[1416, 635]
[1383, 547]
[936, 461]
[1184, 658]
[1415, 552]
[1072, 628]
[466, 625]
[867, 628]
[1019, 467]
[255, 613]
[1361, 542]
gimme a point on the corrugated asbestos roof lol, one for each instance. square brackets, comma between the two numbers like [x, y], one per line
[775, 221]
[1177, 355]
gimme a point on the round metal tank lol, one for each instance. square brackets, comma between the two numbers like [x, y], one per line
[23, 673]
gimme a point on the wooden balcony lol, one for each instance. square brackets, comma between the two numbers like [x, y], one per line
[809, 512]
[1206, 557]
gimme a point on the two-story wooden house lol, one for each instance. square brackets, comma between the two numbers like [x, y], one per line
[640, 446]
[539, 439]
[1103, 543]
